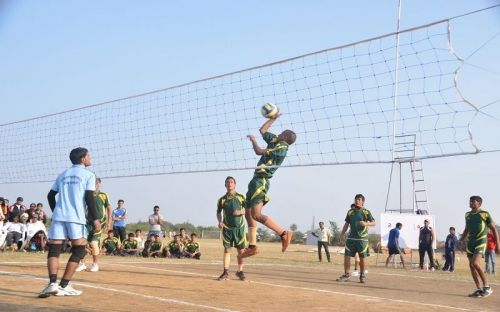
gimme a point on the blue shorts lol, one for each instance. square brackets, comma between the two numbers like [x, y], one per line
[60, 230]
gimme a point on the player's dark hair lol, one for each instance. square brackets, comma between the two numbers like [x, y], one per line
[452, 228]
[156, 207]
[121, 201]
[177, 235]
[230, 178]
[110, 231]
[98, 180]
[399, 225]
[180, 230]
[321, 222]
[359, 196]
[289, 136]
[77, 154]
[138, 230]
[476, 198]
[131, 235]
[194, 235]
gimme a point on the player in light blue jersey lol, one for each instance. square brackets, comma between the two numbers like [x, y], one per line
[76, 187]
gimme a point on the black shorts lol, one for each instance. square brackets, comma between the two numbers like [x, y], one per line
[393, 251]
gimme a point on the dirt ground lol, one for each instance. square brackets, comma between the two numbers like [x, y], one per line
[293, 281]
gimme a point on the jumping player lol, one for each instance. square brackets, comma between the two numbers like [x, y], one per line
[358, 219]
[271, 158]
[232, 225]
[76, 187]
[477, 222]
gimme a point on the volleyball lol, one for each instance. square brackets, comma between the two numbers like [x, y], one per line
[269, 110]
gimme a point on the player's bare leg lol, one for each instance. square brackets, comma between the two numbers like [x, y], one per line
[286, 236]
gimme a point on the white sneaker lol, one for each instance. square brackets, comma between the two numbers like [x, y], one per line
[94, 268]
[67, 291]
[50, 289]
[355, 273]
[81, 267]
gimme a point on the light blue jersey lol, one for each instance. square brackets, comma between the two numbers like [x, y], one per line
[71, 186]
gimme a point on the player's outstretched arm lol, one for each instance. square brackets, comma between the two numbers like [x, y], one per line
[256, 148]
[268, 124]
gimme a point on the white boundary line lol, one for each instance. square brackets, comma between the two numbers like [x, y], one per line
[175, 301]
[365, 297]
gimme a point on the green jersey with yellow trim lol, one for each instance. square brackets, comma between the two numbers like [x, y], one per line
[102, 203]
[156, 246]
[354, 216]
[274, 156]
[175, 247]
[111, 244]
[192, 247]
[477, 224]
[129, 243]
[229, 203]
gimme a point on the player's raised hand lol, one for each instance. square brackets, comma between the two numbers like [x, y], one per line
[251, 137]
[277, 115]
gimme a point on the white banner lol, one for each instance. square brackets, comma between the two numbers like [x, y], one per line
[408, 237]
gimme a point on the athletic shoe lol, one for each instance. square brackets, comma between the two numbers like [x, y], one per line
[355, 273]
[487, 291]
[477, 293]
[248, 252]
[285, 240]
[362, 278]
[81, 267]
[68, 291]
[94, 268]
[241, 275]
[50, 289]
[344, 277]
[224, 276]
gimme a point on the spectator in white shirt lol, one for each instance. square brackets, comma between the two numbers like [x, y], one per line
[324, 237]
[155, 222]
[15, 231]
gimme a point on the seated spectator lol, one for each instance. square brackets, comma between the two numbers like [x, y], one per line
[193, 248]
[129, 246]
[15, 233]
[155, 247]
[147, 246]
[38, 242]
[175, 248]
[184, 236]
[111, 244]
[155, 222]
[17, 209]
[139, 239]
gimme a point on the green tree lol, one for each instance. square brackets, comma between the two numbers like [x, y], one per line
[293, 227]
[334, 228]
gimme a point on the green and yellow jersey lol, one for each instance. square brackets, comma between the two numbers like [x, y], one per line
[354, 216]
[229, 204]
[111, 244]
[477, 224]
[174, 247]
[102, 203]
[192, 247]
[129, 243]
[275, 154]
[155, 246]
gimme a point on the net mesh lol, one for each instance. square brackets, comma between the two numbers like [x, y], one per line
[339, 101]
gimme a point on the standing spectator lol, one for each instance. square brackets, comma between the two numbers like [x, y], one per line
[17, 209]
[425, 242]
[449, 250]
[490, 255]
[155, 221]
[31, 209]
[193, 248]
[476, 223]
[119, 225]
[76, 187]
[393, 245]
[324, 237]
[358, 219]
[15, 232]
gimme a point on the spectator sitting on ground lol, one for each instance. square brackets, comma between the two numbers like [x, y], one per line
[155, 247]
[129, 246]
[175, 248]
[38, 242]
[111, 244]
[184, 237]
[15, 232]
[193, 248]
[139, 239]
[147, 246]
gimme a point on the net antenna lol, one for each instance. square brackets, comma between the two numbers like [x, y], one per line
[347, 104]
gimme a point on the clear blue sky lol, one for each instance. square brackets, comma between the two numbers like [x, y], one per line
[59, 55]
